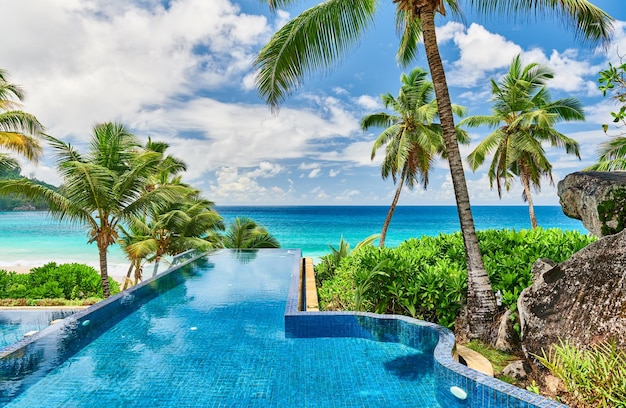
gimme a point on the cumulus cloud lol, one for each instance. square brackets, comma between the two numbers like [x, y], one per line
[106, 61]
[369, 102]
[233, 186]
[315, 173]
[481, 52]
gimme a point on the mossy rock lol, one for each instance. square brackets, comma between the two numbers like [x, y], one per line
[612, 212]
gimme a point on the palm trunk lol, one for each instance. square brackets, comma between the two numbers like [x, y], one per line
[481, 302]
[529, 200]
[392, 208]
[130, 269]
[104, 274]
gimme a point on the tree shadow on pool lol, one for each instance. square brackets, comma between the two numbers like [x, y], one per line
[411, 367]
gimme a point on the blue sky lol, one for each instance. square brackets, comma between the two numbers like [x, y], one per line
[180, 71]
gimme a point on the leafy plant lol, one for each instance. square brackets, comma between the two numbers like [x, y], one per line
[595, 377]
[67, 281]
[426, 278]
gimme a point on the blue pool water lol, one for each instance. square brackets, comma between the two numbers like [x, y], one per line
[214, 338]
[15, 323]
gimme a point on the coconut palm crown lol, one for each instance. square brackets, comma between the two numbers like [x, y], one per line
[19, 131]
[412, 138]
[523, 118]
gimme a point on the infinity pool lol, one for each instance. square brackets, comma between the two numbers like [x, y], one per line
[216, 338]
[225, 331]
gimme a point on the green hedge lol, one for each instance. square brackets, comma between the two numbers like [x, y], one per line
[68, 281]
[427, 278]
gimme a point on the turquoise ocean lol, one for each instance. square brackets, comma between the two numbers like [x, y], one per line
[33, 238]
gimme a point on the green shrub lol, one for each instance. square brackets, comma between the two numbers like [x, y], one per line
[595, 377]
[427, 278]
[68, 281]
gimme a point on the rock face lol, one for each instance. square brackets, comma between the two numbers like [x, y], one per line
[505, 337]
[596, 198]
[582, 300]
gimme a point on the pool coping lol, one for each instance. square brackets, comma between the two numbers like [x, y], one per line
[446, 366]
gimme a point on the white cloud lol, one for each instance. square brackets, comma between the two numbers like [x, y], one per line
[315, 173]
[448, 31]
[481, 52]
[104, 61]
[308, 166]
[333, 173]
[369, 102]
[231, 186]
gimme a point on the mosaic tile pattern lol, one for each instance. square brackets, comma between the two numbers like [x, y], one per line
[483, 391]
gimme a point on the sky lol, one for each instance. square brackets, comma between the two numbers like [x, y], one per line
[180, 71]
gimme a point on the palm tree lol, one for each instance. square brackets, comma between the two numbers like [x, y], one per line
[319, 36]
[523, 118]
[412, 140]
[611, 155]
[102, 188]
[18, 130]
[191, 223]
[245, 233]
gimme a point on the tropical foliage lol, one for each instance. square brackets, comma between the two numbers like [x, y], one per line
[523, 118]
[188, 223]
[318, 37]
[102, 188]
[245, 233]
[612, 153]
[412, 138]
[19, 131]
[595, 377]
[67, 281]
[427, 278]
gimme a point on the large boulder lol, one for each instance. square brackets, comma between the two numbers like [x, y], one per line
[596, 198]
[582, 300]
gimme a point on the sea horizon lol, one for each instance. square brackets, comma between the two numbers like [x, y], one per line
[33, 238]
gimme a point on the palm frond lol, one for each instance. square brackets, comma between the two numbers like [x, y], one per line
[314, 40]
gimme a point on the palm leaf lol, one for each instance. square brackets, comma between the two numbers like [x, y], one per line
[313, 40]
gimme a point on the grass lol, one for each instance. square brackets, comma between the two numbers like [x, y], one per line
[48, 302]
[498, 359]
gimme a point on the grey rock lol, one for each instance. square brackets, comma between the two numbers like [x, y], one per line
[596, 198]
[582, 300]
[505, 337]
[516, 369]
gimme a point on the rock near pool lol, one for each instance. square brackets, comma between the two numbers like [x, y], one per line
[582, 300]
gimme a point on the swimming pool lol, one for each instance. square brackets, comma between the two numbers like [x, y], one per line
[219, 332]
[15, 322]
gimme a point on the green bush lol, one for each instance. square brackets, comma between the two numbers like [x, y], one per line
[68, 281]
[595, 377]
[427, 278]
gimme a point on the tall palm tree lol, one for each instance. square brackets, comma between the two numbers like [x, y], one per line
[319, 36]
[102, 188]
[19, 131]
[523, 118]
[413, 141]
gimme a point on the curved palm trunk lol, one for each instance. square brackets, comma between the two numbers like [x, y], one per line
[481, 302]
[392, 208]
[104, 273]
[127, 280]
[529, 200]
